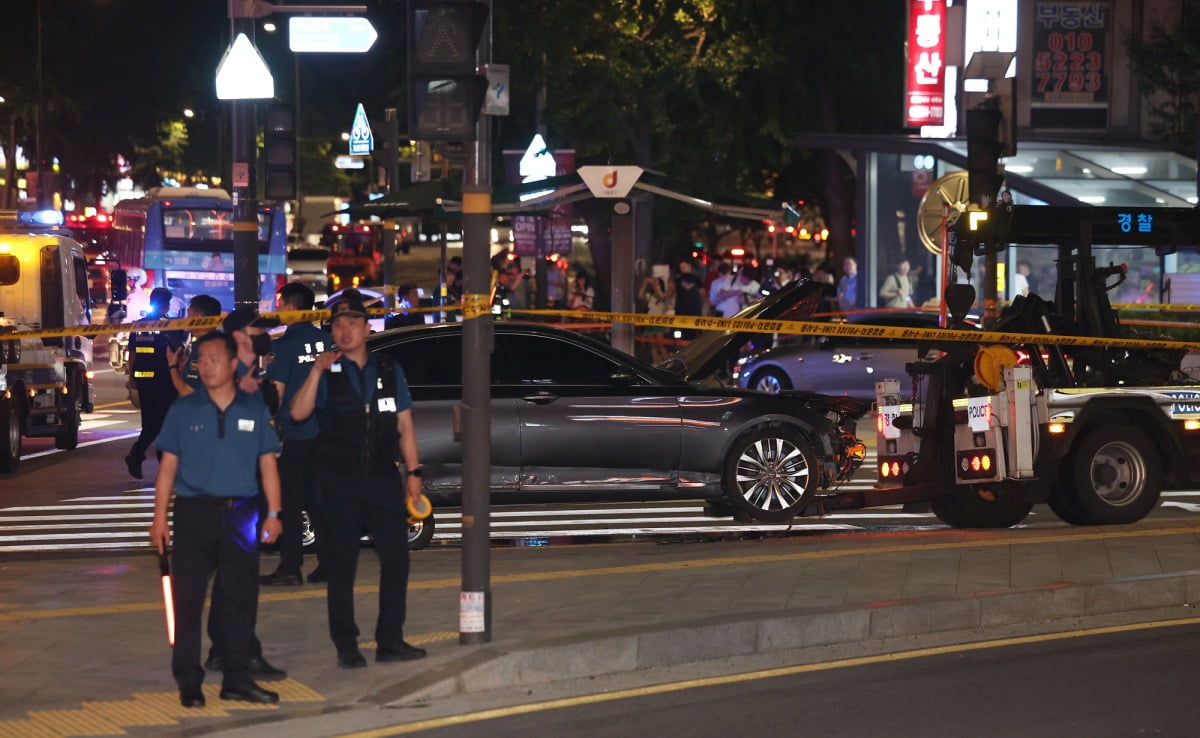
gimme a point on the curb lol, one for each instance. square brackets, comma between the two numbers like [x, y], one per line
[630, 650]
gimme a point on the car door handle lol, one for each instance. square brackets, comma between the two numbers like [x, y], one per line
[865, 357]
[540, 398]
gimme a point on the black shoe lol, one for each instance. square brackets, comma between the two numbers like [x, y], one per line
[403, 652]
[351, 660]
[191, 697]
[280, 577]
[318, 575]
[213, 662]
[134, 466]
[264, 672]
[249, 692]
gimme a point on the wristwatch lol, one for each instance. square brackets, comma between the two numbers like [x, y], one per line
[415, 472]
[273, 514]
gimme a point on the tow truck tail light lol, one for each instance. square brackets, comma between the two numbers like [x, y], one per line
[976, 464]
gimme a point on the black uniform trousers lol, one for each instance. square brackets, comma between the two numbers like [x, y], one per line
[214, 534]
[298, 470]
[348, 504]
[215, 622]
[154, 401]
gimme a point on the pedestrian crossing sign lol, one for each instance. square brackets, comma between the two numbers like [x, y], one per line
[362, 141]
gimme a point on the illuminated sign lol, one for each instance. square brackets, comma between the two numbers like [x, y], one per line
[1070, 73]
[925, 96]
[991, 26]
[362, 141]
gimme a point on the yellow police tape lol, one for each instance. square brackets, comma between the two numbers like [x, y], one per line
[204, 322]
[811, 328]
[477, 305]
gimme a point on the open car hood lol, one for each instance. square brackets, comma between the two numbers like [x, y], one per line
[712, 349]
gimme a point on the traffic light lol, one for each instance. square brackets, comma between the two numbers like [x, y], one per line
[279, 153]
[983, 154]
[445, 89]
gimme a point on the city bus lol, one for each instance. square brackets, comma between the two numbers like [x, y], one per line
[183, 238]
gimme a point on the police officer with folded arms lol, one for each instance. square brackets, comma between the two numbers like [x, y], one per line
[364, 413]
[213, 441]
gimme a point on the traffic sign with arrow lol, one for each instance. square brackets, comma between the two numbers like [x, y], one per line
[331, 34]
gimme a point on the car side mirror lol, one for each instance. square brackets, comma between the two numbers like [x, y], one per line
[624, 378]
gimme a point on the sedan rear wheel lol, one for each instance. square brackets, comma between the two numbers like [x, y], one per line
[420, 533]
[771, 473]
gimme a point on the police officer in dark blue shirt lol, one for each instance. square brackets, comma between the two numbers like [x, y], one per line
[294, 354]
[185, 363]
[364, 413]
[149, 373]
[213, 442]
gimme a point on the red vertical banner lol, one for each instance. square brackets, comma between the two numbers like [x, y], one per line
[925, 94]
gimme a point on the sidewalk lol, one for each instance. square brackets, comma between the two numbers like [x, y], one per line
[83, 647]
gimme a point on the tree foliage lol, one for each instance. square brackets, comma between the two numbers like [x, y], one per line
[1167, 63]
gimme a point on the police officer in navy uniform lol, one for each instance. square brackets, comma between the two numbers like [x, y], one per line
[185, 363]
[213, 441]
[248, 330]
[149, 372]
[364, 413]
[294, 354]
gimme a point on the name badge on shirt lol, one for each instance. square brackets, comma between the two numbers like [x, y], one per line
[387, 404]
[246, 424]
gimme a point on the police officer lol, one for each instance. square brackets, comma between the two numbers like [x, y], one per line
[295, 351]
[213, 440]
[248, 330]
[185, 364]
[149, 373]
[364, 412]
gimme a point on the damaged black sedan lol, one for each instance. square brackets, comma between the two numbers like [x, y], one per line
[574, 420]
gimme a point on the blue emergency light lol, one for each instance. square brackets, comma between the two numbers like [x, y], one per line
[40, 217]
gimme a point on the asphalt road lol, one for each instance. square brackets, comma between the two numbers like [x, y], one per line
[1134, 683]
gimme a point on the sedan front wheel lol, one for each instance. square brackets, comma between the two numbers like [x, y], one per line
[771, 474]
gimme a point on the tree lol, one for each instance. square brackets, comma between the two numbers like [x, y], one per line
[1167, 63]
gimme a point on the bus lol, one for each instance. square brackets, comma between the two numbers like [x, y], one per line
[183, 238]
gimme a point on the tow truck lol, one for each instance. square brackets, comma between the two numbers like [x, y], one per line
[46, 383]
[1096, 429]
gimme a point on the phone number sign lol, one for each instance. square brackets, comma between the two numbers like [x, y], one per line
[1069, 64]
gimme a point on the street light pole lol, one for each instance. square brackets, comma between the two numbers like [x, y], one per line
[245, 196]
[475, 599]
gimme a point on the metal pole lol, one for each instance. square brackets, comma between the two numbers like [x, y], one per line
[245, 197]
[475, 598]
[299, 219]
[389, 227]
[622, 269]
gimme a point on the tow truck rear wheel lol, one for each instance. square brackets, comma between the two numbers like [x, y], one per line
[1062, 502]
[1115, 476]
[72, 414]
[968, 507]
[771, 473]
[10, 433]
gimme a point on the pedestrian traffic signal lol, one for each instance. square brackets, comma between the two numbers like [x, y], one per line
[279, 153]
[445, 89]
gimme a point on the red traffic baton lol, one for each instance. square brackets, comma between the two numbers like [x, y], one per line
[164, 567]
